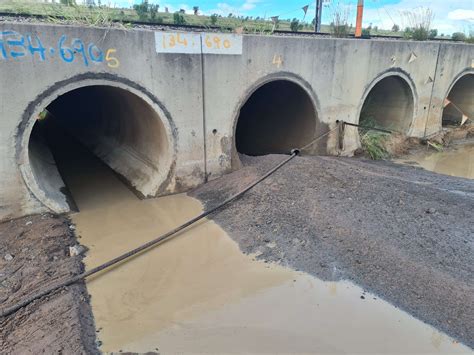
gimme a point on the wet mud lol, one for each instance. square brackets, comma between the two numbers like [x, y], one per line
[456, 160]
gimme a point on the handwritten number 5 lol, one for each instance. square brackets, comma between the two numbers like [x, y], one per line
[112, 62]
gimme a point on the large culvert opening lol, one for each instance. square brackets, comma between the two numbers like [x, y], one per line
[459, 104]
[88, 130]
[388, 105]
[276, 118]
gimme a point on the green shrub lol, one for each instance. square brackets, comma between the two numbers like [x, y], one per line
[178, 19]
[213, 19]
[373, 144]
[68, 2]
[295, 25]
[419, 24]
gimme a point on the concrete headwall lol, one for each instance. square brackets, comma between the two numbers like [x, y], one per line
[196, 85]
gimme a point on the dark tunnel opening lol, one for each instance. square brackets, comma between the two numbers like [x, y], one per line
[459, 104]
[389, 105]
[95, 127]
[276, 118]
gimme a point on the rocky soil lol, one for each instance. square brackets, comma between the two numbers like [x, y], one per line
[34, 252]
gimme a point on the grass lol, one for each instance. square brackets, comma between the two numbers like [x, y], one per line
[373, 144]
[103, 16]
[372, 141]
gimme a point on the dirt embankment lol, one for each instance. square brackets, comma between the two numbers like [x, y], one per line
[397, 145]
[34, 252]
[400, 232]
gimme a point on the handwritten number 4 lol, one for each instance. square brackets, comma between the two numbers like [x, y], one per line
[277, 60]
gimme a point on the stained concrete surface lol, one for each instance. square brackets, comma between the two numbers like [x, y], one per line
[400, 232]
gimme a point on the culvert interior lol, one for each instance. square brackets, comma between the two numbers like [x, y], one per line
[460, 101]
[276, 118]
[389, 104]
[116, 126]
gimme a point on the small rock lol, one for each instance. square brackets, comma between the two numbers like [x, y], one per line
[24, 250]
[332, 196]
[431, 210]
[8, 257]
[76, 250]
[271, 245]
[55, 258]
[28, 223]
[362, 297]
[71, 227]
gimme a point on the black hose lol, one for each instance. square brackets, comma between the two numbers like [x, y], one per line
[9, 310]
[366, 127]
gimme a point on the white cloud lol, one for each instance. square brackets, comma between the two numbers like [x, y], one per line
[449, 16]
[461, 14]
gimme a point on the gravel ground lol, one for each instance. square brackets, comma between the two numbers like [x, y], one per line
[400, 232]
[35, 252]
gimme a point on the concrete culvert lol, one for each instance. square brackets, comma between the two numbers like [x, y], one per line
[460, 101]
[389, 104]
[117, 126]
[276, 118]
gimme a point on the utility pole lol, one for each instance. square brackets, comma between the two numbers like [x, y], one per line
[360, 12]
[317, 22]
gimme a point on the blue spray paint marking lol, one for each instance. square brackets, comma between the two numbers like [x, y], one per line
[95, 53]
[15, 42]
[14, 45]
[35, 49]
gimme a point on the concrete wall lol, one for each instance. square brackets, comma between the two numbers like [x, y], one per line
[197, 96]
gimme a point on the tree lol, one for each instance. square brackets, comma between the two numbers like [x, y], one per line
[458, 36]
[433, 33]
[395, 28]
[196, 10]
[214, 19]
[68, 2]
[153, 8]
[142, 10]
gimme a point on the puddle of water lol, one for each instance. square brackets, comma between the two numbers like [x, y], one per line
[199, 294]
[457, 161]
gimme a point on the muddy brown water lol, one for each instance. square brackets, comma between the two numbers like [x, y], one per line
[199, 293]
[457, 161]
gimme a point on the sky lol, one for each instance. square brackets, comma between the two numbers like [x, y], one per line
[449, 15]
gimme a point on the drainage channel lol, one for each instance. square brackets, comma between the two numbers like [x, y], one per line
[200, 293]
